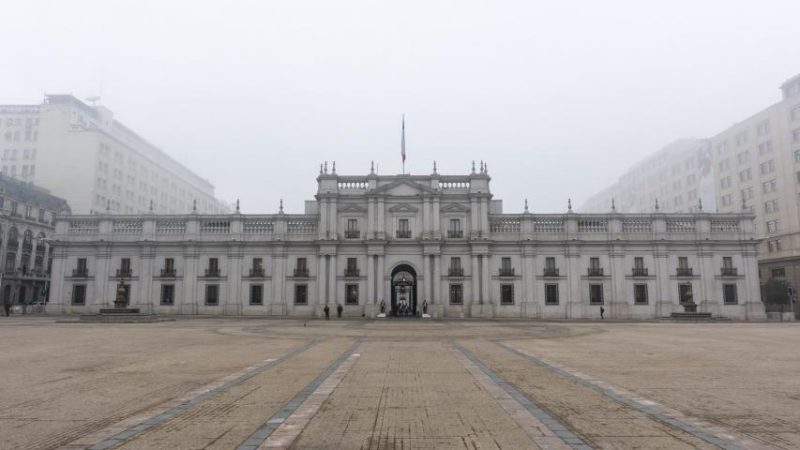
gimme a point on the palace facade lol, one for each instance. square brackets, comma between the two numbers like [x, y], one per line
[408, 244]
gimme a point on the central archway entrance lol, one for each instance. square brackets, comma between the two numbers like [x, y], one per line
[404, 291]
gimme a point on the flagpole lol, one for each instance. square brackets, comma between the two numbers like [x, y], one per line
[403, 144]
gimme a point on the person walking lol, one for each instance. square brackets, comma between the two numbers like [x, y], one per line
[7, 305]
[602, 312]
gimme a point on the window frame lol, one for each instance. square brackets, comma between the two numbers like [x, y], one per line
[348, 289]
[455, 294]
[507, 288]
[75, 288]
[547, 299]
[164, 288]
[725, 298]
[208, 297]
[259, 299]
[300, 299]
[637, 299]
[596, 288]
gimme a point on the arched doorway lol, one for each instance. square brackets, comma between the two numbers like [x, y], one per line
[404, 291]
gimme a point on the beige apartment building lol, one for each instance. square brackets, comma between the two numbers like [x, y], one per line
[82, 154]
[755, 166]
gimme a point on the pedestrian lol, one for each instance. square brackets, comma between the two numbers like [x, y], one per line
[7, 305]
[602, 311]
[327, 312]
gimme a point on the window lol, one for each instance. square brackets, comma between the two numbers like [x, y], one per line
[683, 262]
[351, 270]
[550, 294]
[771, 206]
[725, 182]
[506, 294]
[745, 175]
[256, 294]
[767, 167]
[762, 128]
[257, 269]
[212, 294]
[124, 267]
[724, 165]
[764, 147]
[727, 200]
[796, 135]
[596, 294]
[454, 230]
[795, 113]
[729, 294]
[505, 267]
[769, 186]
[774, 245]
[300, 294]
[213, 267]
[550, 262]
[168, 294]
[456, 294]
[640, 294]
[741, 138]
[727, 262]
[82, 265]
[351, 294]
[455, 262]
[747, 194]
[685, 293]
[638, 262]
[773, 226]
[594, 263]
[79, 294]
[779, 272]
[352, 229]
[743, 157]
[403, 230]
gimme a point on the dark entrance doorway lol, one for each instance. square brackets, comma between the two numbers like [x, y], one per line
[404, 291]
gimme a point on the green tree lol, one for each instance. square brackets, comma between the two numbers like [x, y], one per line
[775, 291]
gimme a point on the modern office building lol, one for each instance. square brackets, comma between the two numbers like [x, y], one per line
[81, 153]
[406, 245]
[27, 222]
[755, 166]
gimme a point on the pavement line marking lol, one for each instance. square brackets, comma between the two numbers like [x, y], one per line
[290, 428]
[541, 427]
[133, 426]
[263, 433]
[708, 432]
[280, 430]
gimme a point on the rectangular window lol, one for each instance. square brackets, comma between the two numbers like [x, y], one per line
[124, 267]
[506, 294]
[258, 266]
[81, 265]
[403, 230]
[256, 294]
[351, 294]
[550, 262]
[300, 294]
[638, 262]
[351, 270]
[773, 226]
[79, 294]
[796, 135]
[762, 128]
[455, 262]
[767, 167]
[769, 186]
[745, 175]
[683, 262]
[727, 262]
[685, 293]
[169, 264]
[212, 294]
[594, 263]
[779, 272]
[454, 230]
[550, 294]
[403, 225]
[213, 265]
[456, 294]
[168, 294]
[729, 294]
[764, 147]
[352, 229]
[795, 113]
[640, 294]
[596, 294]
[302, 264]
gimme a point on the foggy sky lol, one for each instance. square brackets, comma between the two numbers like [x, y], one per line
[559, 97]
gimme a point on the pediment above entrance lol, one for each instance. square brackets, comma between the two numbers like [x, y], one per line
[403, 207]
[351, 208]
[403, 188]
[454, 207]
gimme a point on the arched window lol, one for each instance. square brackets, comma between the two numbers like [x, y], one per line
[27, 242]
[12, 237]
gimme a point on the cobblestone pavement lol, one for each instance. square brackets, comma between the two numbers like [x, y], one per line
[226, 383]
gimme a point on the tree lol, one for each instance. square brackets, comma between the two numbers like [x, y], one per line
[775, 291]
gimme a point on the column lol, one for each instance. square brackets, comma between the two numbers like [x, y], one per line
[437, 279]
[233, 298]
[370, 228]
[475, 275]
[189, 303]
[333, 216]
[322, 273]
[426, 218]
[474, 225]
[323, 218]
[486, 291]
[485, 216]
[146, 296]
[437, 229]
[382, 281]
[381, 219]
[370, 279]
[278, 299]
[426, 285]
[332, 294]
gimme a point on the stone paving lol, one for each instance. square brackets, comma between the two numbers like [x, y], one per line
[228, 383]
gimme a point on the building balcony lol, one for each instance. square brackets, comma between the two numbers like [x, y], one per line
[684, 272]
[124, 273]
[168, 273]
[455, 234]
[212, 273]
[551, 271]
[351, 272]
[729, 272]
[455, 272]
[257, 272]
[506, 271]
[352, 234]
[594, 271]
[301, 272]
[403, 234]
[80, 273]
[639, 272]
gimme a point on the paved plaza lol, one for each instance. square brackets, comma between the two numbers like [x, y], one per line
[398, 384]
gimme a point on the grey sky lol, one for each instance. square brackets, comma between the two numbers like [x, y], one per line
[558, 97]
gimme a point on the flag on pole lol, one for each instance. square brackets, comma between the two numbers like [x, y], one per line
[403, 141]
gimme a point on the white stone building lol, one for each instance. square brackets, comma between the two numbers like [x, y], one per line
[408, 241]
[82, 154]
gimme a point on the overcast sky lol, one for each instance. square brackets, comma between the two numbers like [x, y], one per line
[559, 97]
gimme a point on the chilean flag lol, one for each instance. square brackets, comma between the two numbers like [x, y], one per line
[403, 141]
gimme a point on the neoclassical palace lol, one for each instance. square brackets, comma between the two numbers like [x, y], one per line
[404, 245]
